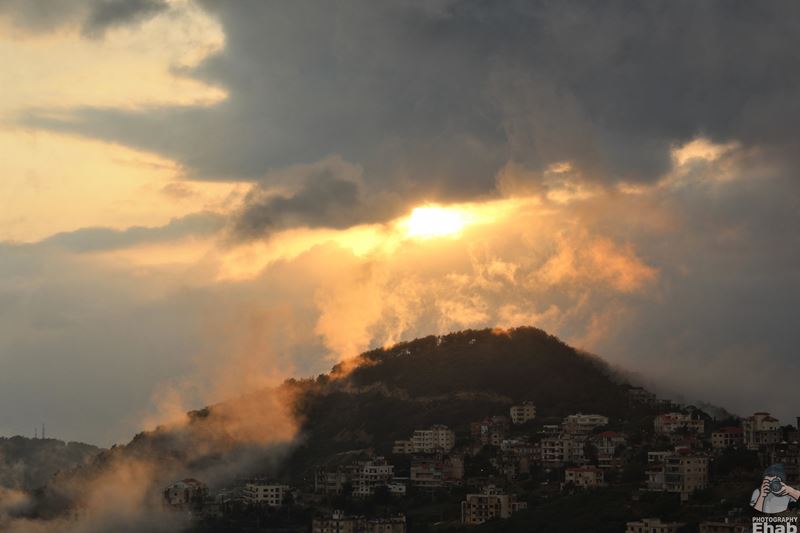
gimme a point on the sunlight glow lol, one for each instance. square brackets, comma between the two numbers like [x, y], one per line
[431, 221]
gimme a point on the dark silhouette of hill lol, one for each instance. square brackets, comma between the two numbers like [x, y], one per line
[453, 379]
[29, 463]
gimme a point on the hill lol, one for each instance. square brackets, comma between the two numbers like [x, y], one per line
[29, 463]
[454, 379]
[380, 396]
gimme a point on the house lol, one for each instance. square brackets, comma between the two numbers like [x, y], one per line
[330, 482]
[608, 445]
[759, 430]
[522, 413]
[580, 424]
[366, 476]
[338, 522]
[488, 504]
[564, 448]
[652, 525]
[437, 438]
[265, 493]
[185, 493]
[362, 476]
[583, 477]
[681, 473]
[667, 423]
[490, 431]
[727, 437]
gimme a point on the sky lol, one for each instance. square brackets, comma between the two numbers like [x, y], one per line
[199, 198]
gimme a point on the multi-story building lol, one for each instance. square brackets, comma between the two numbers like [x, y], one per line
[438, 438]
[680, 473]
[761, 429]
[488, 504]
[728, 526]
[330, 481]
[580, 424]
[562, 449]
[338, 522]
[608, 444]
[727, 437]
[522, 413]
[365, 476]
[671, 422]
[584, 477]
[433, 472]
[362, 476]
[264, 493]
[652, 525]
[492, 430]
[184, 493]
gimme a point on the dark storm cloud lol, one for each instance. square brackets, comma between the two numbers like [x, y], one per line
[93, 16]
[434, 99]
[100, 239]
[106, 14]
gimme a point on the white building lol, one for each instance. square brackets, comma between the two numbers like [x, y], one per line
[607, 444]
[679, 473]
[438, 438]
[727, 437]
[580, 424]
[670, 422]
[264, 493]
[564, 448]
[491, 503]
[366, 476]
[584, 477]
[760, 430]
[522, 413]
[185, 492]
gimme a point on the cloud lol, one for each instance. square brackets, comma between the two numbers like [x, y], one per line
[107, 14]
[94, 16]
[433, 103]
[102, 239]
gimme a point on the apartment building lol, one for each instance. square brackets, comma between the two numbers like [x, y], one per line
[185, 492]
[264, 493]
[679, 473]
[523, 413]
[339, 522]
[727, 437]
[488, 504]
[437, 438]
[581, 424]
[584, 477]
[608, 444]
[561, 449]
[761, 429]
[671, 422]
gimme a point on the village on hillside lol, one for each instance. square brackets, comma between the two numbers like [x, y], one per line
[509, 462]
